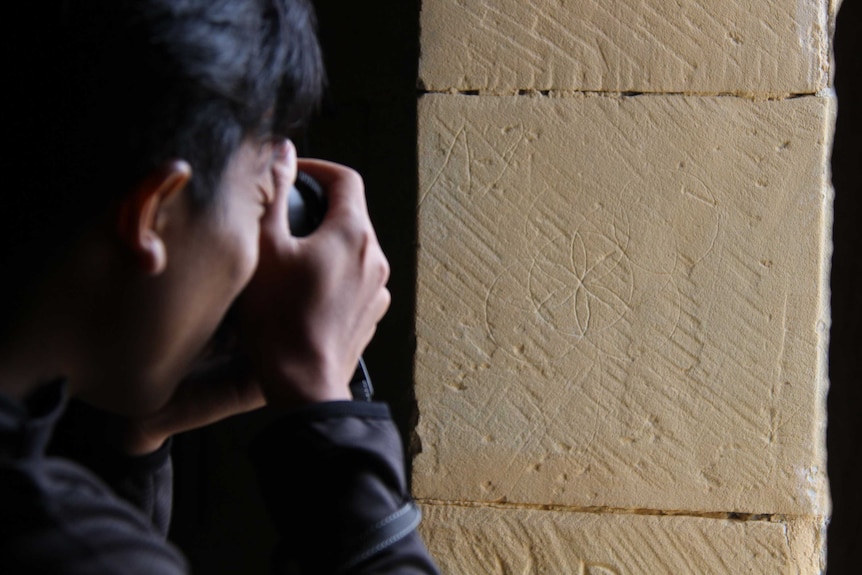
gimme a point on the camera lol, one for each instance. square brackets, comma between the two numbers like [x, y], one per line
[306, 205]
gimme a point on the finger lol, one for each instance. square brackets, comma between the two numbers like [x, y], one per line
[384, 268]
[374, 313]
[376, 310]
[381, 304]
[283, 172]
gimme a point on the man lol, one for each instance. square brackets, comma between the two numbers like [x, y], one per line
[145, 200]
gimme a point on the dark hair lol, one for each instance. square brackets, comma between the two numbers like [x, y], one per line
[103, 91]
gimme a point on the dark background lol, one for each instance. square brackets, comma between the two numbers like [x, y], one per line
[844, 434]
[369, 122]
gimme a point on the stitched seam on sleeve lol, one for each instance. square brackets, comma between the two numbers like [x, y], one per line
[384, 522]
[405, 531]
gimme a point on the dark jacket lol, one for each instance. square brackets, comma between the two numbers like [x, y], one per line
[331, 476]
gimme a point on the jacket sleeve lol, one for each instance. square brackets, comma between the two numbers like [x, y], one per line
[82, 435]
[332, 477]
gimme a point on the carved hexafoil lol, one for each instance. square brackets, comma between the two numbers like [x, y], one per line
[621, 301]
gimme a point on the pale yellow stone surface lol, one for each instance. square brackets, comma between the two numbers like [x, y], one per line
[734, 46]
[621, 302]
[489, 541]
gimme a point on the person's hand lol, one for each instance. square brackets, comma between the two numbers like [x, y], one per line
[314, 302]
[305, 318]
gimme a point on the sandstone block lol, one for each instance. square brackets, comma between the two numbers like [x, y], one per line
[492, 541]
[622, 302]
[732, 46]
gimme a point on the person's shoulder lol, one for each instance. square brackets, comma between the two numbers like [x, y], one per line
[55, 516]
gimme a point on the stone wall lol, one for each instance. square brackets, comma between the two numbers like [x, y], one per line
[622, 305]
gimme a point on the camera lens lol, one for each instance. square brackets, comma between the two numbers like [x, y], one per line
[306, 205]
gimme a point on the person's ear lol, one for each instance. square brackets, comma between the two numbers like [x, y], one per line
[140, 211]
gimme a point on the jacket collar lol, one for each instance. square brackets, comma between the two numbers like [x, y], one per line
[26, 426]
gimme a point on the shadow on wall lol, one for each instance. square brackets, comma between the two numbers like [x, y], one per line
[845, 364]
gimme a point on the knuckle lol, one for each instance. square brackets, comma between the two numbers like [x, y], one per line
[387, 300]
[373, 257]
[381, 304]
[282, 173]
[355, 236]
[352, 179]
[384, 269]
[363, 238]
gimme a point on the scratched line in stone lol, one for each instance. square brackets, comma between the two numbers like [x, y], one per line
[775, 47]
[596, 275]
[506, 541]
[556, 256]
